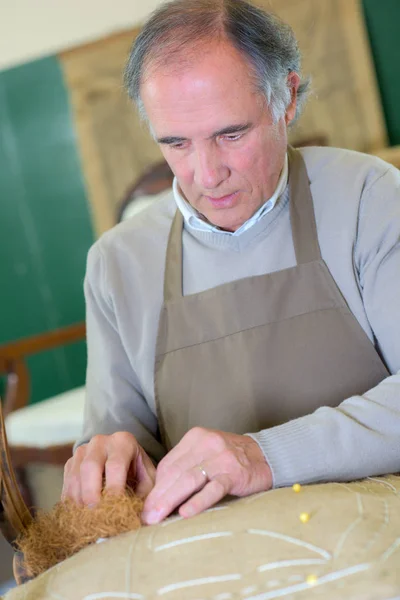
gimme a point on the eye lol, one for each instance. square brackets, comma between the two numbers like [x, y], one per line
[233, 137]
[178, 145]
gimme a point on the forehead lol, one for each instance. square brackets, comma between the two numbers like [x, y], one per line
[214, 89]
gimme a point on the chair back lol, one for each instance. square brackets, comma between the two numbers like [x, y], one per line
[15, 516]
[154, 182]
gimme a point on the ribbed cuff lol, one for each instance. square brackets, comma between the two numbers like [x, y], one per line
[357, 439]
[293, 452]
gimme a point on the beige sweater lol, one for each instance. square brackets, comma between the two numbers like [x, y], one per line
[357, 207]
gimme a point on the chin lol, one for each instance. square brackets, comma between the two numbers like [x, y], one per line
[225, 224]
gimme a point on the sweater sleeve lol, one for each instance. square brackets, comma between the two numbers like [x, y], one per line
[361, 437]
[114, 401]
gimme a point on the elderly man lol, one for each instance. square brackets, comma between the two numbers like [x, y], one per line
[243, 332]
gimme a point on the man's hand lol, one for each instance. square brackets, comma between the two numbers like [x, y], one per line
[118, 458]
[204, 467]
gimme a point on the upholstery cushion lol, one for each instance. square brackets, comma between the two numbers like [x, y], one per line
[54, 421]
[255, 548]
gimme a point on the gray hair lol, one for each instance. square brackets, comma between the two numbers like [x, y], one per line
[267, 43]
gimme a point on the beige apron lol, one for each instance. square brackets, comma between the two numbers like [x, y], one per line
[257, 352]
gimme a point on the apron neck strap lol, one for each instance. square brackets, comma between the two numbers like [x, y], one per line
[304, 230]
[302, 217]
[173, 284]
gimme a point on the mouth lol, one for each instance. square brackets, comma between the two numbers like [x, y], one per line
[223, 201]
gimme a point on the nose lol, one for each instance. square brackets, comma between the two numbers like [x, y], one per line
[209, 170]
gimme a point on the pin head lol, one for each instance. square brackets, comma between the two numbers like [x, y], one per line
[304, 517]
[311, 579]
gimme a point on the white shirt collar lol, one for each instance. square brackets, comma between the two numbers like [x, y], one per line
[193, 220]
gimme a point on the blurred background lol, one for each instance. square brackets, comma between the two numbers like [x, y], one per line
[71, 150]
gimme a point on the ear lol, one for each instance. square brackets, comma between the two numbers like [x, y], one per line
[293, 84]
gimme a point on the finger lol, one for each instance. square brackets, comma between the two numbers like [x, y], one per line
[211, 494]
[66, 479]
[121, 459]
[171, 471]
[171, 478]
[72, 480]
[162, 501]
[145, 475]
[188, 452]
[91, 471]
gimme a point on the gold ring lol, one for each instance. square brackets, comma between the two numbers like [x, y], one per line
[202, 469]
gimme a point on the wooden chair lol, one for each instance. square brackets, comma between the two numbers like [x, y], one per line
[26, 423]
[154, 182]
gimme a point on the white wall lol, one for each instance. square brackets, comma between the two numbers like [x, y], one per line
[31, 29]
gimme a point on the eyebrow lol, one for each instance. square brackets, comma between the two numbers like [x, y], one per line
[225, 131]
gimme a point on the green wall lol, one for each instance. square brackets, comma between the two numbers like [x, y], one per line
[45, 228]
[383, 25]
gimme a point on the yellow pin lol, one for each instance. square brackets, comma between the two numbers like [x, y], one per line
[312, 579]
[297, 488]
[304, 517]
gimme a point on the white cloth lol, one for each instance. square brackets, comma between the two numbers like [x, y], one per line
[55, 421]
[140, 203]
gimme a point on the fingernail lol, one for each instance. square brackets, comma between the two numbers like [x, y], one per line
[152, 517]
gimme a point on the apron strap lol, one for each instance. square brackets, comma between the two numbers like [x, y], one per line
[304, 229]
[173, 280]
[302, 217]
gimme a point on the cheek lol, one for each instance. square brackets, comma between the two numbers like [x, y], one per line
[239, 160]
[246, 161]
[264, 155]
[179, 165]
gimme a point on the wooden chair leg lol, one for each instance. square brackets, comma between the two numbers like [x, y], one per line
[23, 485]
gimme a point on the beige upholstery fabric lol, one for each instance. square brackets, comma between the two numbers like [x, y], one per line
[254, 548]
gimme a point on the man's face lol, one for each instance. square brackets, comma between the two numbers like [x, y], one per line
[217, 134]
